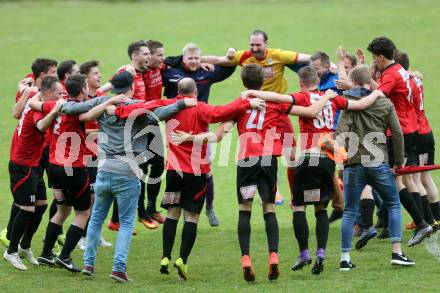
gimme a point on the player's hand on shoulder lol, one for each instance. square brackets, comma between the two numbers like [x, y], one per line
[178, 136]
[118, 99]
[110, 110]
[207, 67]
[130, 68]
[343, 84]
[257, 103]
[330, 94]
[231, 53]
[190, 102]
[247, 93]
[60, 103]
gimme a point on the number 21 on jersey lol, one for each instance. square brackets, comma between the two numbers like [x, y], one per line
[256, 119]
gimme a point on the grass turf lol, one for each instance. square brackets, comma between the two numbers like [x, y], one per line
[96, 30]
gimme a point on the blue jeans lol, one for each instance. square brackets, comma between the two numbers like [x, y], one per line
[382, 180]
[126, 190]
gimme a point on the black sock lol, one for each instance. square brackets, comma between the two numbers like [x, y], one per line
[73, 236]
[52, 232]
[141, 202]
[367, 211]
[418, 200]
[115, 213]
[153, 187]
[168, 235]
[53, 209]
[301, 229]
[32, 227]
[244, 231]
[189, 234]
[410, 206]
[322, 227]
[14, 211]
[435, 210]
[272, 231]
[21, 221]
[210, 193]
[427, 214]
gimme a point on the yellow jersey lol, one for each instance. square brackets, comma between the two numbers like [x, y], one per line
[273, 67]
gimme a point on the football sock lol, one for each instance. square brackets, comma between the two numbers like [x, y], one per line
[52, 232]
[189, 234]
[322, 227]
[410, 206]
[209, 193]
[244, 231]
[32, 227]
[168, 235]
[14, 211]
[435, 209]
[367, 210]
[21, 221]
[301, 229]
[272, 231]
[73, 236]
[427, 214]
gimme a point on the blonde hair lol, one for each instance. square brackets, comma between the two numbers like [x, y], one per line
[360, 75]
[190, 48]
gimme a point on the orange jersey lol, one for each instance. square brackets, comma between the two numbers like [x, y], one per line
[273, 66]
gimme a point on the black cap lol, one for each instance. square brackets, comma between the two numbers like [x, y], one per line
[121, 82]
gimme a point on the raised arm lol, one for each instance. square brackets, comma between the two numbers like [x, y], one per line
[19, 106]
[97, 111]
[365, 102]
[217, 60]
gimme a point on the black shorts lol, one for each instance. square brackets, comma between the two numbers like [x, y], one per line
[184, 190]
[313, 182]
[92, 177]
[27, 185]
[257, 173]
[75, 188]
[410, 150]
[426, 148]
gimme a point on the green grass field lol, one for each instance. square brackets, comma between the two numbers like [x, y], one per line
[84, 31]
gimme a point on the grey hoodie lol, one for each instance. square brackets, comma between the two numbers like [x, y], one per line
[122, 143]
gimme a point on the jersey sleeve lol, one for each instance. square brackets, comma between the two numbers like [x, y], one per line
[341, 102]
[216, 114]
[285, 108]
[287, 57]
[37, 116]
[237, 60]
[300, 99]
[387, 84]
[46, 107]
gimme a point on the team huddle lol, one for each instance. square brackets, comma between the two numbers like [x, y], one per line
[365, 142]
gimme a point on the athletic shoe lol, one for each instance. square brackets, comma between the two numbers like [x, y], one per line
[181, 268]
[61, 239]
[120, 277]
[212, 218]
[3, 238]
[82, 243]
[165, 266]
[113, 226]
[301, 262]
[274, 271]
[279, 199]
[47, 260]
[384, 234]
[366, 235]
[149, 223]
[246, 265]
[411, 226]
[158, 217]
[104, 243]
[27, 254]
[318, 267]
[335, 215]
[88, 270]
[345, 266]
[401, 260]
[67, 264]
[419, 235]
[15, 260]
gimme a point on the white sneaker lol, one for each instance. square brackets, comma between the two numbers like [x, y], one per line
[27, 254]
[14, 260]
[104, 243]
[82, 243]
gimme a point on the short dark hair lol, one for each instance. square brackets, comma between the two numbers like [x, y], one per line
[48, 83]
[74, 84]
[259, 32]
[308, 76]
[64, 68]
[325, 59]
[401, 58]
[153, 45]
[134, 47]
[252, 76]
[382, 46]
[87, 66]
[352, 59]
[42, 65]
